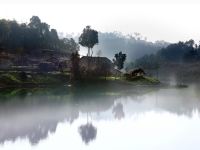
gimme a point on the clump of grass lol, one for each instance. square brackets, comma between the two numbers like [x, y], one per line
[152, 80]
[109, 78]
[45, 79]
[50, 78]
[9, 79]
[15, 79]
[143, 80]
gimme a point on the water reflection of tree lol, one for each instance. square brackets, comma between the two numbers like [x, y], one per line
[88, 132]
[41, 132]
[54, 105]
[118, 111]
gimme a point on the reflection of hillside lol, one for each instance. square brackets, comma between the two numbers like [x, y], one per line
[35, 113]
[175, 101]
[33, 133]
[118, 111]
[32, 121]
[180, 102]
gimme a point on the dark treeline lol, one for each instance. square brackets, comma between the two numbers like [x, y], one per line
[181, 52]
[24, 37]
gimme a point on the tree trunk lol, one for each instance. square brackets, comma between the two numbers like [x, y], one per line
[91, 52]
[88, 51]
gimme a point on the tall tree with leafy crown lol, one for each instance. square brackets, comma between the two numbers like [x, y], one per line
[88, 38]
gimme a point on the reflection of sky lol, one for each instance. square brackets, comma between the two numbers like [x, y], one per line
[165, 119]
[150, 130]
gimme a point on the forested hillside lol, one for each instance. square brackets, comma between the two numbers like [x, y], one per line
[26, 37]
[179, 61]
[134, 46]
[181, 52]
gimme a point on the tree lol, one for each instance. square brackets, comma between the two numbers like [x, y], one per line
[88, 132]
[35, 22]
[70, 45]
[4, 31]
[119, 60]
[34, 38]
[14, 40]
[88, 38]
[35, 35]
[54, 39]
[75, 59]
[118, 111]
[190, 43]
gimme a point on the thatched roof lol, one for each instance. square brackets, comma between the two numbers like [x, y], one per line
[95, 60]
[97, 65]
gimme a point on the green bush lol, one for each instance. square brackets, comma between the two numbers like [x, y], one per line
[9, 79]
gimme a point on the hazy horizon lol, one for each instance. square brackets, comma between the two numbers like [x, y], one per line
[171, 21]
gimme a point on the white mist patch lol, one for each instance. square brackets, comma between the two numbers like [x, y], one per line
[172, 80]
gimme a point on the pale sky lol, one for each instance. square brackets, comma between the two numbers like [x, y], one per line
[170, 20]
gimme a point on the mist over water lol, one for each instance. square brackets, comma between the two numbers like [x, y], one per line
[100, 118]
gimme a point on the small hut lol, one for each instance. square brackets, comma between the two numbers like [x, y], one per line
[137, 72]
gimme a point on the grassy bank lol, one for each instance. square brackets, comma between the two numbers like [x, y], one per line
[140, 80]
[16, 79]
[143, 80]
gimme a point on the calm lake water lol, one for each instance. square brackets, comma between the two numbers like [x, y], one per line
[99, 118]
